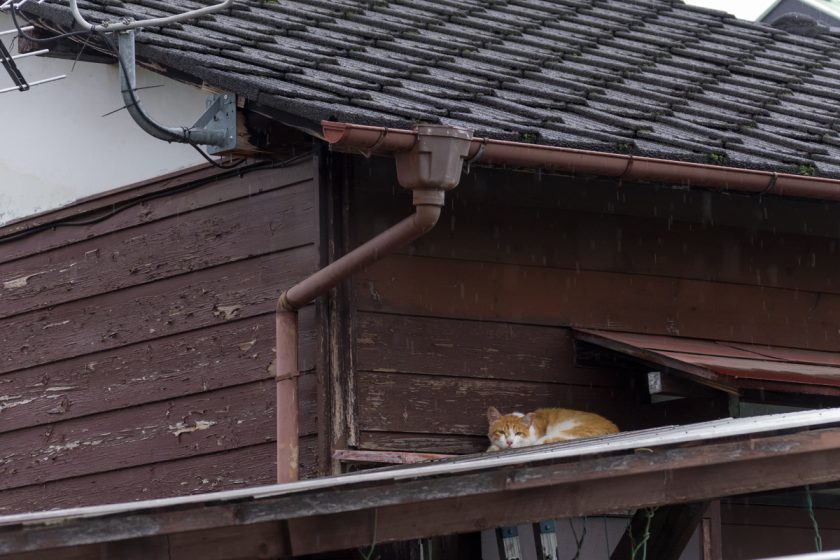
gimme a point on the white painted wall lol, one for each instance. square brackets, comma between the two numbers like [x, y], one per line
[56, 147]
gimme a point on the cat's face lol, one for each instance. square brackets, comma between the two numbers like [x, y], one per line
[510, 430]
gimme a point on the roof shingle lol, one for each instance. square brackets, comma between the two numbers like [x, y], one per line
[652, 77]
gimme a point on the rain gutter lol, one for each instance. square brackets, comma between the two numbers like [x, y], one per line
[372, 140]
[429, 167]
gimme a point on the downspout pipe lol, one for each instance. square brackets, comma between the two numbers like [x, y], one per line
[429, 168]
[371, 140]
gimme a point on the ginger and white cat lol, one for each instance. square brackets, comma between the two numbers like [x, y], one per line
[545, 425]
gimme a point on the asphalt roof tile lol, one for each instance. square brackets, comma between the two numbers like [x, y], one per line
[651, 77]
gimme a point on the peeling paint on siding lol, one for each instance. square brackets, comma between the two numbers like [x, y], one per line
[182, 428]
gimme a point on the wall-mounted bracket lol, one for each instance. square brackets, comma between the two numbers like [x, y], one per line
[220, 115]
[216, 128]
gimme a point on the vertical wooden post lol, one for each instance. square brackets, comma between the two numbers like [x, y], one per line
[712, 537]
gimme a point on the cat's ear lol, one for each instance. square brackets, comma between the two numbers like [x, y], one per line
[529, 418]
[493, 414]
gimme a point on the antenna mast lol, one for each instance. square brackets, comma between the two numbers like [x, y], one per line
[215, 128]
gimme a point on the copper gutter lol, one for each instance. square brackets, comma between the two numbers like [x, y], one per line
[386, 141]
[429, 167]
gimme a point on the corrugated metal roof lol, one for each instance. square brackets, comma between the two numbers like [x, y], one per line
[622, 442]
[732, 364]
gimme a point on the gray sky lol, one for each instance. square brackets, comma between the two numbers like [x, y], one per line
[744, 9]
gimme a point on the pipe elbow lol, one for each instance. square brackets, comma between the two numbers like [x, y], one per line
[426, 216]
[284, 305]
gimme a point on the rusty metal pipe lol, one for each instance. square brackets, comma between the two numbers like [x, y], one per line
[430, 167]
[388, 141]
[286, 318]
[424, 218]
[286, 375]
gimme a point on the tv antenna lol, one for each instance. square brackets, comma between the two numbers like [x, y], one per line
[215, 128]
[7, 59]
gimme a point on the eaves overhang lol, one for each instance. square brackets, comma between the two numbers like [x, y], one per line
[373, 140]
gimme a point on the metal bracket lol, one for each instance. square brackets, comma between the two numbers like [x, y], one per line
[220, 115]
[216, 128]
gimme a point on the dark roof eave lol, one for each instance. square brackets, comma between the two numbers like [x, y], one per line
[387, 141]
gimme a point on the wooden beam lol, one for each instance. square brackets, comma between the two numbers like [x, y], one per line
[260, 540]
[385, 457]
[345, 517]
[667, 528]
[588, 487]
[712, 533]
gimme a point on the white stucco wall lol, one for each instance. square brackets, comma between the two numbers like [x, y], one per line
[56, 147]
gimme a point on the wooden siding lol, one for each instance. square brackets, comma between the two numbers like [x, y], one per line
[137, 350]
[476, 313]
[757, 531]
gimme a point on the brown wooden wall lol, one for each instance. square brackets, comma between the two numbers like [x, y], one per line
[477, 312]
[760, 531]
[137, 350]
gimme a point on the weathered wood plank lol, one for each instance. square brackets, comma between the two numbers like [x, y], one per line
[385, 457]
[207, 359]
[208, 422]
[598, 241]
[746, 512]
[148, 311]
[435, 346]
[742, 542]
[260, 540]
[182, 199]
[237, 468]
[423, 443]
[451, 405]
[590, 195]
[646, 304]
[580, 488]
[343, 515]
[181, 244]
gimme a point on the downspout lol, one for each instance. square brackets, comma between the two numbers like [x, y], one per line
[429, 167]
[389, 141]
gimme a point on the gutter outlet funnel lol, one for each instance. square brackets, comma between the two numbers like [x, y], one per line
[433, 166]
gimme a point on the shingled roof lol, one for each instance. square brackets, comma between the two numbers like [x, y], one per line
[649, 77]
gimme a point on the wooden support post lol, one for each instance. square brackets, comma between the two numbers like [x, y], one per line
[712, 539]
[670, 530]
[545, 540]
[508, 541]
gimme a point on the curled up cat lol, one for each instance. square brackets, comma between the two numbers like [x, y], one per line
[545, 425]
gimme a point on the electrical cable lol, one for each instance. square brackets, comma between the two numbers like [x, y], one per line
[578, 542]
[22, 33]
[810, 503]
